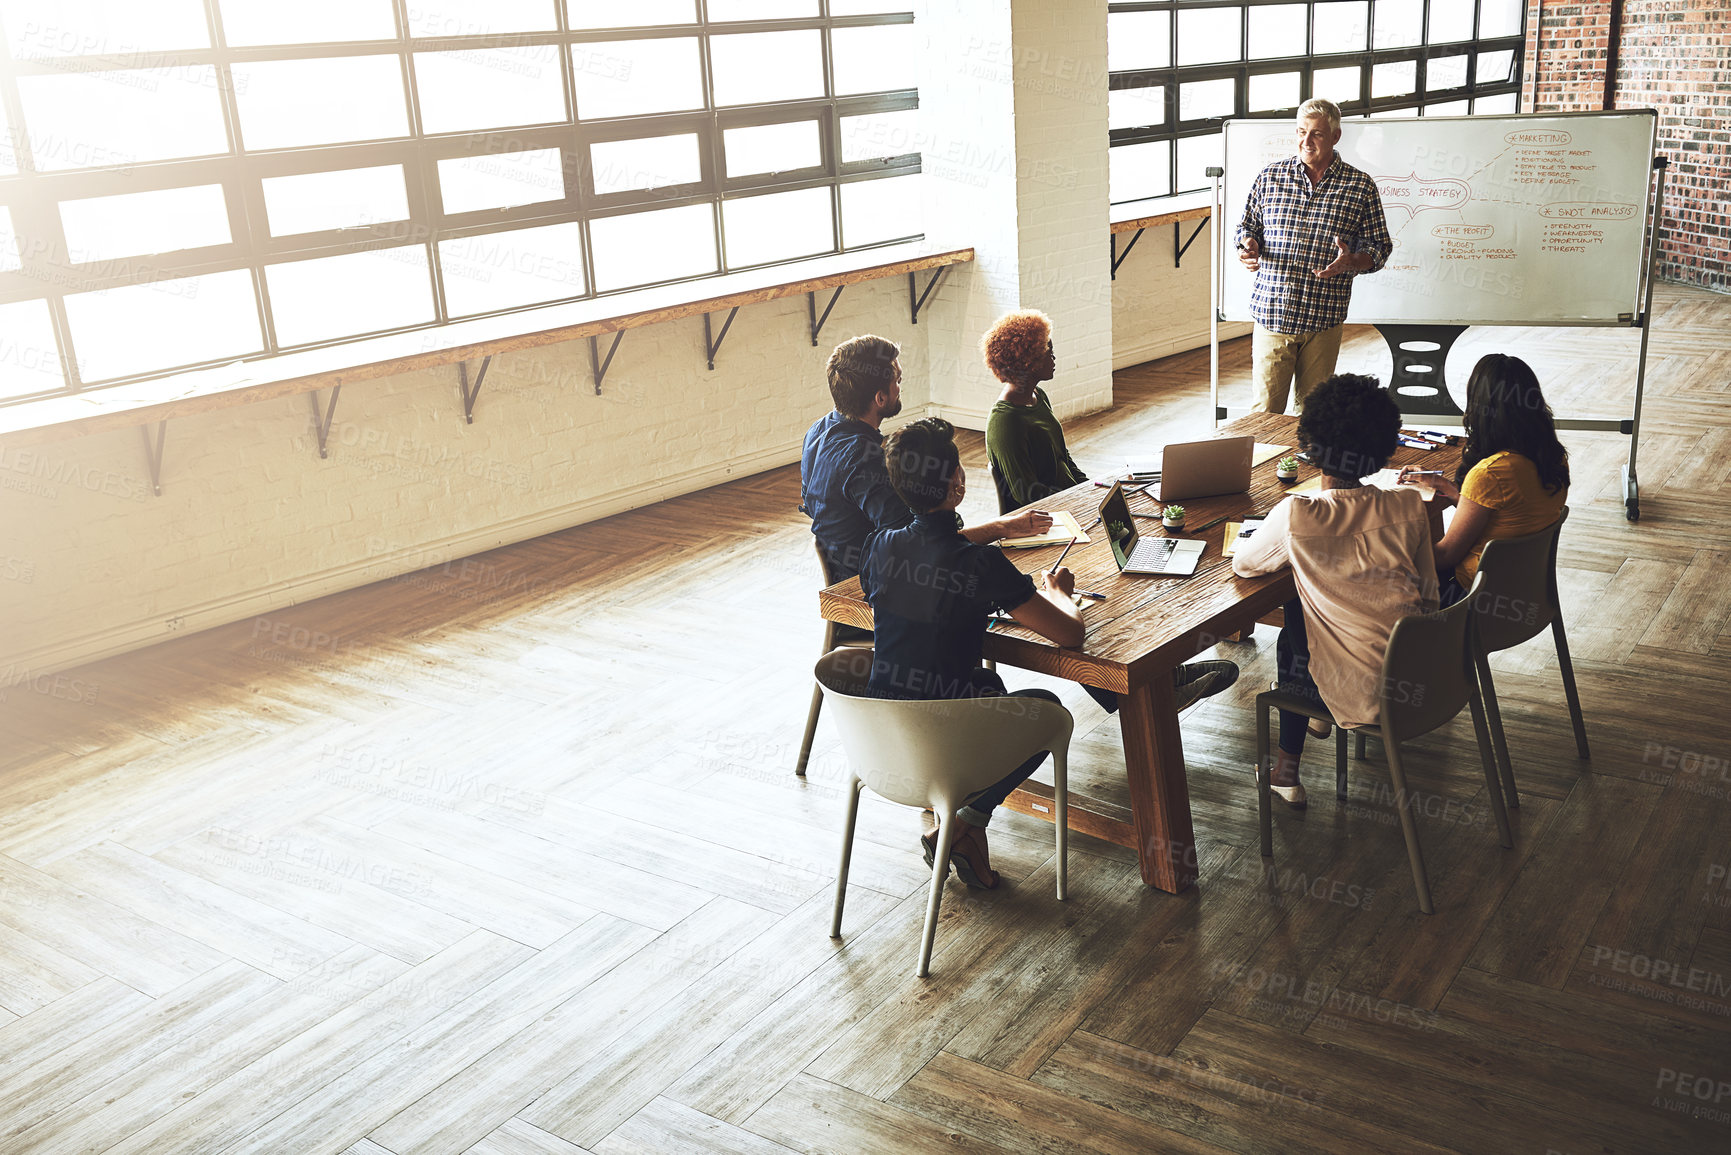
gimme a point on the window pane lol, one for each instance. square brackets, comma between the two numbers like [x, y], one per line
[761, 9]
[1207, 35]
[1394, 79]
[1450, 22]
[501, 180]
[1274, 91]
[97, 119]
[1500, 17]
[879, 134]
[644, 248]
[778, 226]
[1445, 72]
[489, 88]
[289, 103]
[144, 328]
[479, 17]
[1337, 84]
[764, 66]
[331, 297]
[508, 270]
[133, 224]
[632, 77]
[1403, 113]
[635, 165]
[315, 201]
[1138, 40]
[880, 210]
[1205, 98]
[879, 59]
[1495, 67]
[1140, 170]
[10, 259]
[1277, 31]
[773, 148]
[1500, 103]
[1399, 23]
[866, 7]
[1136, 107]
[1342, 27]
[637, 14]
[29, 355]
[60, 28]
[306, 21]
[1196, 154]
[1452, 108]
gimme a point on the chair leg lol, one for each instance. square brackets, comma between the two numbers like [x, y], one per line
[854, 785]
[1568, 671]
[1483, 732]
[1340, 764]
[940, 874]
[1499, 741]
[1408, 828]
[1061, 819]
[810, 729]
[1358, 746]
[1264, 778]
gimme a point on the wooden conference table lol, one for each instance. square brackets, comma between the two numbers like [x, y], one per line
[1145, 628]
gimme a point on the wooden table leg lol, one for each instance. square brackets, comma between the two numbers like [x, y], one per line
[1159, 794]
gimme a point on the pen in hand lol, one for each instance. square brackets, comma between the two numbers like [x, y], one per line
[1060, 560]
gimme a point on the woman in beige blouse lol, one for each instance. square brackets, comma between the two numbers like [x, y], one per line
[1360, 556]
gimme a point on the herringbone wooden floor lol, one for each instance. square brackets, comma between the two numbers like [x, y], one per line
[507, 857]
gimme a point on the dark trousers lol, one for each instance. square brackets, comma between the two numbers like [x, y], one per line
[1292, 661]
[978, 811]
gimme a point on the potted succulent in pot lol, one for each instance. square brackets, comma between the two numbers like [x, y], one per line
[1287, 469]
[1172, 517]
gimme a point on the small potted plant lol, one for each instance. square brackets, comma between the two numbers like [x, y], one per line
[1172, 517]
[1287, 469]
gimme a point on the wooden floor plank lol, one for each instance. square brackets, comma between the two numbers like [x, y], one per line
[666, 1128]
[822, 1119]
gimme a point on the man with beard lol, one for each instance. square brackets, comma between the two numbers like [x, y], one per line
[844, 486]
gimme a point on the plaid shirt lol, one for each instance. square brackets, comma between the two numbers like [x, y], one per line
[1295, 224]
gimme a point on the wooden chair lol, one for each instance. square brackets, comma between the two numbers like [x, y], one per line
[937, 755]
[833, 635]
[1427, 676]
[1517, 599]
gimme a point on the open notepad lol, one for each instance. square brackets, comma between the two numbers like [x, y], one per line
[1064, 527]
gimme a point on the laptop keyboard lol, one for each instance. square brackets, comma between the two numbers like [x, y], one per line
[1152, 553]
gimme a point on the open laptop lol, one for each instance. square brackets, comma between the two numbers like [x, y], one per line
[1166, 556]
[1206, 468]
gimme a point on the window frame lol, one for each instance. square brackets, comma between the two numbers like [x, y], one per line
[33, 197]
[1306, 64]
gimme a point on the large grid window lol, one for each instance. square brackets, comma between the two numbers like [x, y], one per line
[189, 182]
[1179, 67]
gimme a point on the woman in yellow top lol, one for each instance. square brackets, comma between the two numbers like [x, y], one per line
[1514, 475]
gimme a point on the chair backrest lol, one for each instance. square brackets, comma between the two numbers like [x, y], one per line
[1427, 669]
[1519, 594]
[933, 752]
[828, 571]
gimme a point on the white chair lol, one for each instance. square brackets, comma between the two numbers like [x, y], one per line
[936, 754]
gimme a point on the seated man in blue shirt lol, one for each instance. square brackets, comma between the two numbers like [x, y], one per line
[932, 592]
[843, 486]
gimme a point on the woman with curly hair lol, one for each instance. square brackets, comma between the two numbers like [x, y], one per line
[1361, 559]
[1514, 475]
[1024, 441]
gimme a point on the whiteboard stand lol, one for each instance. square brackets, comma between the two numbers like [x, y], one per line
[1215, 172]
[1631, 485]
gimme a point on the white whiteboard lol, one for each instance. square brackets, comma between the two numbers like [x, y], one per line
[1495, 219]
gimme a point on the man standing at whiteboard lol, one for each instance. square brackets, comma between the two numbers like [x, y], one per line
[1311, 224]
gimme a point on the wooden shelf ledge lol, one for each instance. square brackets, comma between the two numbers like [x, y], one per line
[1133, 216]
[98, 410]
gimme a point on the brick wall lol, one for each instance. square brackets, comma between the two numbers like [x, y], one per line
[1674, 56]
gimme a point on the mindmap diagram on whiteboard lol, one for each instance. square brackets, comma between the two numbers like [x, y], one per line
[1510, 220]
